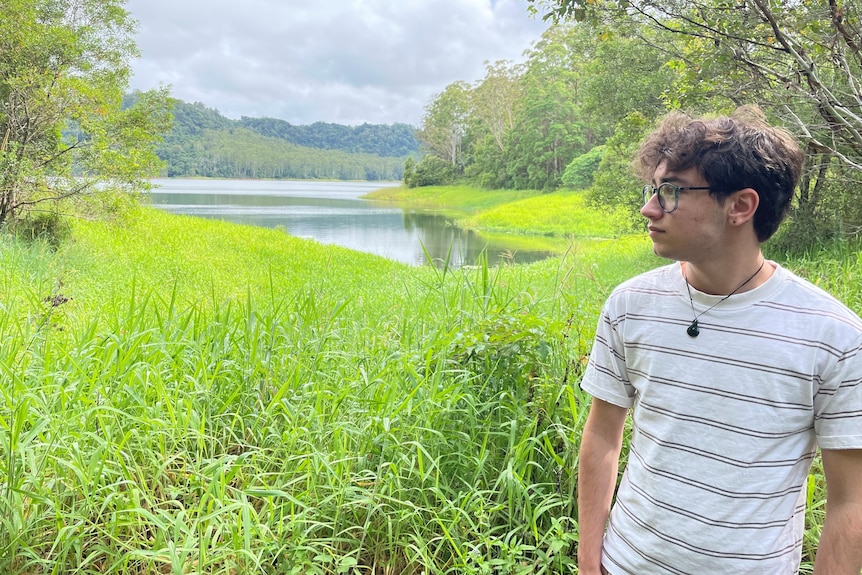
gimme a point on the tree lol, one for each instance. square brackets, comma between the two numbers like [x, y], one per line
[64, 133]
[432, 171]
[409, 172]
[550, 130]
[801, 61]
[494, 103]
[623, 75]
[445, 124]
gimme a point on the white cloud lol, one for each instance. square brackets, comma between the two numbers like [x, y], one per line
[345, 61]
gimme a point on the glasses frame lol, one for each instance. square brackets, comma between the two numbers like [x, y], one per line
[649, 191]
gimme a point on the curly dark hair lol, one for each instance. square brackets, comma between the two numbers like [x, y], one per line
[732, 153]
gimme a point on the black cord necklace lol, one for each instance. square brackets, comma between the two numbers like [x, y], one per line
[693, 330]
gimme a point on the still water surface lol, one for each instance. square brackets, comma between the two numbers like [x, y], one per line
[334, 213]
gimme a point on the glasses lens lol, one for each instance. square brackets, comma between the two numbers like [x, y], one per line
[667, 195]
[648, 192]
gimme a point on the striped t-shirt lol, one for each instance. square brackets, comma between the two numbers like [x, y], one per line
[725, 425]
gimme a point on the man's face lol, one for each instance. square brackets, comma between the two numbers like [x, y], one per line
[694, 231]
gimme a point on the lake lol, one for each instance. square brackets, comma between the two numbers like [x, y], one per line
[335, 213]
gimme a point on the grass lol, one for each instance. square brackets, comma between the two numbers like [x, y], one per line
[188, 396]
[458, 200]
[281, 407]
[561, 214]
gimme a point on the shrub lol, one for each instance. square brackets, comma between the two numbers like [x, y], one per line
[50, 227]
[432, 171]
[579, 173]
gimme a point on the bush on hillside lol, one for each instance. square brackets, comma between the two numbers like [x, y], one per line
[431, 171]
[579, 173]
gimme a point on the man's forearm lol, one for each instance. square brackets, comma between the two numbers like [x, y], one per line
[597, 474]
[598, 463]
[840, 548]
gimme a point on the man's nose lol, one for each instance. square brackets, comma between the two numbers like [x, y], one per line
[651, 209]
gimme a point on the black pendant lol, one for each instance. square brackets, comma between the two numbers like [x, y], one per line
[692, 329]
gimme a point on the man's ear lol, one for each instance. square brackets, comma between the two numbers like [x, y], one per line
[742, 205]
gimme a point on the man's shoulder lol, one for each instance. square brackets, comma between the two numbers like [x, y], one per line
[645, 289]
[663, 277]
[798, 293]
[799, 288]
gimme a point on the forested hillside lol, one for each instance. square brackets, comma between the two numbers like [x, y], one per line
[205, 143]
[396, 140]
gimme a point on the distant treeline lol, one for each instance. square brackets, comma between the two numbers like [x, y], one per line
[396, 140]
[205, 143]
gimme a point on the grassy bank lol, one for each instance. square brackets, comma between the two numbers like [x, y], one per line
[559, 214]
[458, 200]
[532, 219]
[187, 396]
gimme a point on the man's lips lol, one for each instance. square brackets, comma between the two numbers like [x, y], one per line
[654, 230]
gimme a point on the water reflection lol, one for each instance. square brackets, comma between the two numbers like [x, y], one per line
[445, 242]
[335, 213]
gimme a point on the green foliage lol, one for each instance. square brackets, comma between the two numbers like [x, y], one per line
[409, 176]
[444, 125]
[615, 187]
[524, 124]
[580, 171]
[800, 231]
[495, 105]
[432, 171]
[560, 10]
[270, 401]
[241, 153]
[521, 125]
[460, 199]
[627, 73]
[64, 133]
[549, 129]
[714, 57]
[194, 119]
[826, 205]
[489, 165]
[47, 226]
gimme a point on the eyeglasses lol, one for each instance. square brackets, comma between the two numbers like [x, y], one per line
[668, 194]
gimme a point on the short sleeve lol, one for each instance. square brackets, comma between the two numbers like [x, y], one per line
[606, 376]
[838, 402]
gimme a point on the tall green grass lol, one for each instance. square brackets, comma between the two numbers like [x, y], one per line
[187, 396]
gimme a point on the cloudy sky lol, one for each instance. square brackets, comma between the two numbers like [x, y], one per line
[342, 61]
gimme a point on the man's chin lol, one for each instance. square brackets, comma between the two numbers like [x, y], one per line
[663, 252]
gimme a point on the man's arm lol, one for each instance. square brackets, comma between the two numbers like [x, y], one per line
[840, 549]
[598, 462]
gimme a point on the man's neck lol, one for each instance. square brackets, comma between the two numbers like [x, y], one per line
[724, 275]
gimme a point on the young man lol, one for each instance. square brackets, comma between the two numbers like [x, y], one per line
[736, 371]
